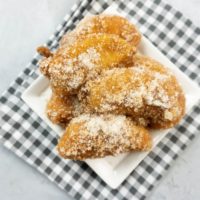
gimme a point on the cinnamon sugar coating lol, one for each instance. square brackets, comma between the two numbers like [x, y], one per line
[96, 136]
[70, 67]
[111, 24]
[61, 109]
[149, 94]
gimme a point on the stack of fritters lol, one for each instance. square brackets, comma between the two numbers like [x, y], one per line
[105, 93]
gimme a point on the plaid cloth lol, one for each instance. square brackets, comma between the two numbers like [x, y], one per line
[24, 133]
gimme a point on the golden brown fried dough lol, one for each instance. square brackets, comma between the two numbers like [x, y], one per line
[70, 66]
[61, 109]
[44, 51]
[150, 97]
[93, 136]
[151, 64]
[111, 24]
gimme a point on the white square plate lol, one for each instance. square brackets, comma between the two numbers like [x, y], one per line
[114, 170]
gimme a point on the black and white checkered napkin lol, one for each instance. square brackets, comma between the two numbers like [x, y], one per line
[23, 132]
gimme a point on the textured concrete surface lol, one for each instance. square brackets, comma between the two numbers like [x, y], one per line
[24, 25]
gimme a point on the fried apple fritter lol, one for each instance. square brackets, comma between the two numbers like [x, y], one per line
[151, 98]
[69, 67]
[111, 24]
[93, 136]
[151, 64]
[61, 109]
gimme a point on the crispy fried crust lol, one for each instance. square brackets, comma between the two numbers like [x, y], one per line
[151, 97]
[111, 24]
[92, 136]
[44, 51]
[69, 67]
[61, 109]
[151, 64]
